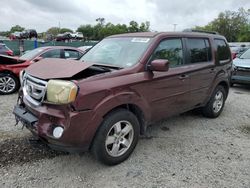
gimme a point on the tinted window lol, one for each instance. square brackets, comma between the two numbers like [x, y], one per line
[200, 50]
[52, 54]
[170, 49]
[72, 54]
[223, 51]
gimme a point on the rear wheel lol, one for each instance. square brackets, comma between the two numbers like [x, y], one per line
[116, 138]
[8, 83]
[216, 103]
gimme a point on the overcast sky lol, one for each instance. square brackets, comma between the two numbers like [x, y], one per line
[162, 14]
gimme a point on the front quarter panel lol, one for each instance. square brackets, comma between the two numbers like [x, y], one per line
[105, 94]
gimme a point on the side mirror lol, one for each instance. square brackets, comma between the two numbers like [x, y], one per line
[161, 65]
[37, 59]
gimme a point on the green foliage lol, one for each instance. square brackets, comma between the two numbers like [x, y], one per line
[5, 33]
[53, 31]
[16, 28]
[94, 32]
[86, 30]
[234, 25]
[64, 30]
[244, 34]
[101, 30]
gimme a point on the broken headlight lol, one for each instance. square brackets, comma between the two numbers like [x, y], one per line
[61, 92]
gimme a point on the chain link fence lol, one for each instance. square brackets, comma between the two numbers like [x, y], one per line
[14, 45]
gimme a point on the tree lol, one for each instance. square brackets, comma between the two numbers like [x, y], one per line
[244, 35]
[17, 28]
[101, 30]
[230, 24]
[53, 31]
[64, 30]
[5, 33]
[87, 31]
[133, 27]
[100, 21]
[144, 27]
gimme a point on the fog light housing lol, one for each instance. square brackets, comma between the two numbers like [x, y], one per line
[57, 132]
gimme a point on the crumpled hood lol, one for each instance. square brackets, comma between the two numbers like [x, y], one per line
[52, 68]
[10, 60]
[242, 62]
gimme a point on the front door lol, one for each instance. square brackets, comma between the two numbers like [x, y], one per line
[167, 92]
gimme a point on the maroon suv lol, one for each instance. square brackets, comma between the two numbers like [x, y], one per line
[124, 83]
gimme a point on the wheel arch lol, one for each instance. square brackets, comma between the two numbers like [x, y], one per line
[8, 72]
[135, 110]
[225, 85]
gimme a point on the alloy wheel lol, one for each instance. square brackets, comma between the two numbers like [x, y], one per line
[218, 101]
[7, 84]
[119, 138]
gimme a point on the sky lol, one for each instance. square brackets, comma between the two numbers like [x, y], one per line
[162, 14]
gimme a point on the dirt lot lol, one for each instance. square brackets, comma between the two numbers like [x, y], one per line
[184, 151]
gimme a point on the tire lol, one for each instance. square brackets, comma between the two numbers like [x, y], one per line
[113, 145]
[216, 103]
[8, 83]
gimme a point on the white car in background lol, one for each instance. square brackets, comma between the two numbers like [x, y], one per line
[241, 69]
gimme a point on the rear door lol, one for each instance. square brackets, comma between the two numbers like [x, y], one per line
[202, 69]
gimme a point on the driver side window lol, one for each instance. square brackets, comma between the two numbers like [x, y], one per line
[171, 50]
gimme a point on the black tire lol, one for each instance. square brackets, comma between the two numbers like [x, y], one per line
[14, 83]
[99, 148]
[209, 110]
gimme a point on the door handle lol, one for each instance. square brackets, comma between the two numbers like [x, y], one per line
[183, 76]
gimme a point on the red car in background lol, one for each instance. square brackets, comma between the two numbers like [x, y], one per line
[10, 67]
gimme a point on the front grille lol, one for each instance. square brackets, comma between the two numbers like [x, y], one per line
[34, 89]
[242, 71]
[247, 69]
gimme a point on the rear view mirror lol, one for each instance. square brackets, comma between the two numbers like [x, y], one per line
[160, 65]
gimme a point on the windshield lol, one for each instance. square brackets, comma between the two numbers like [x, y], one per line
[246, 54]
[31, 54]
[119, 52]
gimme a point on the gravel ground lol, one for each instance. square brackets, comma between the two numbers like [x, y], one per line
[183, 151]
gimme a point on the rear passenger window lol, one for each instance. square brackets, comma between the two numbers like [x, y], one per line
[223, 51]
[171, 50]
[199, 50]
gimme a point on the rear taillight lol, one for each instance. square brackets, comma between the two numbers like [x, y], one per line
[9, 52]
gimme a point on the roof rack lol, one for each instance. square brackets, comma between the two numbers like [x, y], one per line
[200, 31]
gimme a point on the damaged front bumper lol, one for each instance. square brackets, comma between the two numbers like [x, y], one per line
[41, 121]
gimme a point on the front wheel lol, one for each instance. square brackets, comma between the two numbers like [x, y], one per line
[8, 84]
[216, 103]
[116, 137]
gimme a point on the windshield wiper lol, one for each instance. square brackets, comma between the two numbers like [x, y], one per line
[107, 67]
